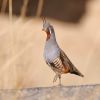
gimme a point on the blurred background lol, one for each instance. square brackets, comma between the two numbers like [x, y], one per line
[77, 27]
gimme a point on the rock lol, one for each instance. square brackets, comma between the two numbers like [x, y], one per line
[83, 92]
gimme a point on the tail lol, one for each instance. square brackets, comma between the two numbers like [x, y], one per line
[76, 72]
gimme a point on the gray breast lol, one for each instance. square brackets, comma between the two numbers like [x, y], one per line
[51, 52]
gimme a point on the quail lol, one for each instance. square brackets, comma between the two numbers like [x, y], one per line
[54, 56]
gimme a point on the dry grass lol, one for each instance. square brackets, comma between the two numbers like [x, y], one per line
[21, 60]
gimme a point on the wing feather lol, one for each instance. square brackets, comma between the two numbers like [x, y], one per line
[69, 64]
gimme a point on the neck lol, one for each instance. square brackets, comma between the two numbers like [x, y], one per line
[51, 43]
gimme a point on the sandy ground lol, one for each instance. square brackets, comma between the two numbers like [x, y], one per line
[22, 43]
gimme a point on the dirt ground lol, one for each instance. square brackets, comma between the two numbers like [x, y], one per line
[21, 50]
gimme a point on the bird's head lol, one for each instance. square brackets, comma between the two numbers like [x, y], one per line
[48, 28]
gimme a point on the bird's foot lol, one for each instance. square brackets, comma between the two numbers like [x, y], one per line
[59, 84]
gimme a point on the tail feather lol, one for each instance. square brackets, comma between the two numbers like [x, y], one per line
[76, 72]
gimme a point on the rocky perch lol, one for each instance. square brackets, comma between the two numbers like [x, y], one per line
[83, 92]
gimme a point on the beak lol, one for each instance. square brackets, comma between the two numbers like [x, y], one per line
[43, 30]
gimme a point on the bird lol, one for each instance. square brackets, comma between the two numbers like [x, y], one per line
[54, 56]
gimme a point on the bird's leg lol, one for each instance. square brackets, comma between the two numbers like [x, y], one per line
[55, 78]
[59, 75]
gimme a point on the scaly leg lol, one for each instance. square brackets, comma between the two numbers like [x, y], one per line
[55, 78]
[59, 75]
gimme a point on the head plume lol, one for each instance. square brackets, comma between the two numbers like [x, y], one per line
[48, 28]
[44, 20]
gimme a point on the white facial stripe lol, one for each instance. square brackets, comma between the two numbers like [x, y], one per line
[50, 30]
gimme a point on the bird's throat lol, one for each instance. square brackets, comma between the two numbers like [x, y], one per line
[48, 36]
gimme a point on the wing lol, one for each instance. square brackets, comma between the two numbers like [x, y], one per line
[68, 63]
